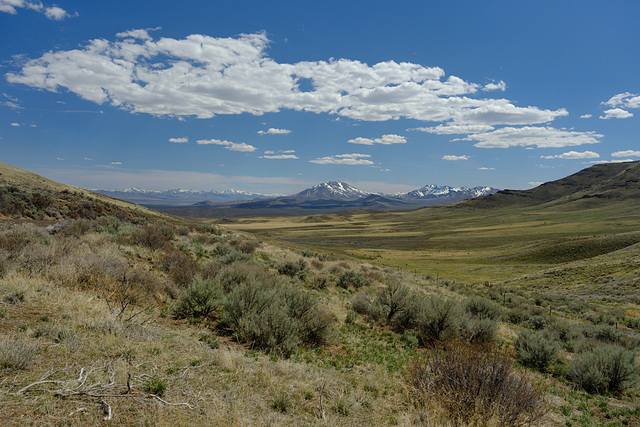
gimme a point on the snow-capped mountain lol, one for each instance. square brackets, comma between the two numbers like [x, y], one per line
[333, 190]
[434, 191]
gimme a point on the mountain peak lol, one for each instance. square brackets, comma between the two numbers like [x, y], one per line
[334, 190]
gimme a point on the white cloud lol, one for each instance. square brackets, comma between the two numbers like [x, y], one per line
[57, 13]
[570, 155]
[384, 140]
[586, 116]
[52, 12]
[15, 124]
[204, 76]
[455, 158]
[453, 129]
[626, 100]
[627, 153]
[616, 113]
[354, 159]
[116, 163]
[280, 155]
[495, 86]
[137, 34]
[274, 131]
[535, 183]
[484, 168]
[233, 146]
[182, 140]
[532, 136]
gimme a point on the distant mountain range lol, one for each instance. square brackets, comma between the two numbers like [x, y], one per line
[332, 191]
[329, 196]
[180, 196]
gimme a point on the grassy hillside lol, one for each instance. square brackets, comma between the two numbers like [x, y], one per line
[141, 320]
[24, 194]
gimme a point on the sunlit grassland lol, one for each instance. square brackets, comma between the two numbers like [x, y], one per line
[472, 245]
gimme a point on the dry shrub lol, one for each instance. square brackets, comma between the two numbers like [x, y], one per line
[180, 267]
[246, 246]
[475, 387]
[17, 238]
[151, 236]
[15, 354]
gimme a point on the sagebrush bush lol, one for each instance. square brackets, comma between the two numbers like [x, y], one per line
[198, 300]
[275, 317]
[240, 272]
[603, 333]
[475, 388]
[350, 279]
[437, 320]
[297, 269]
[536, 350]
[606, 368]
[478, 331]
[394, 298]
[483, 308]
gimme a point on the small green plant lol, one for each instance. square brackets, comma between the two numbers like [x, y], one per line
[155, 386]
[281, 402]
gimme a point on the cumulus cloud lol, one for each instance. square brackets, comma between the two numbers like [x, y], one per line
[52, 12]
[354, 159]
[15, 124]
[453, 129]
[274, 131]
[454, 158]
[532, 136]
[616, 113]
[625, 100]
[182, 140]
[116, 163]
[205, 76]
[586, 116]
[626, 153]
[232, 146]
[484, 168]
[384, 140]
[570, 155]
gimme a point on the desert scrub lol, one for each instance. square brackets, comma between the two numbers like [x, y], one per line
[606, 368]
[474, 387]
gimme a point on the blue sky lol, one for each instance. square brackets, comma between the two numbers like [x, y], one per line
[274, 97]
